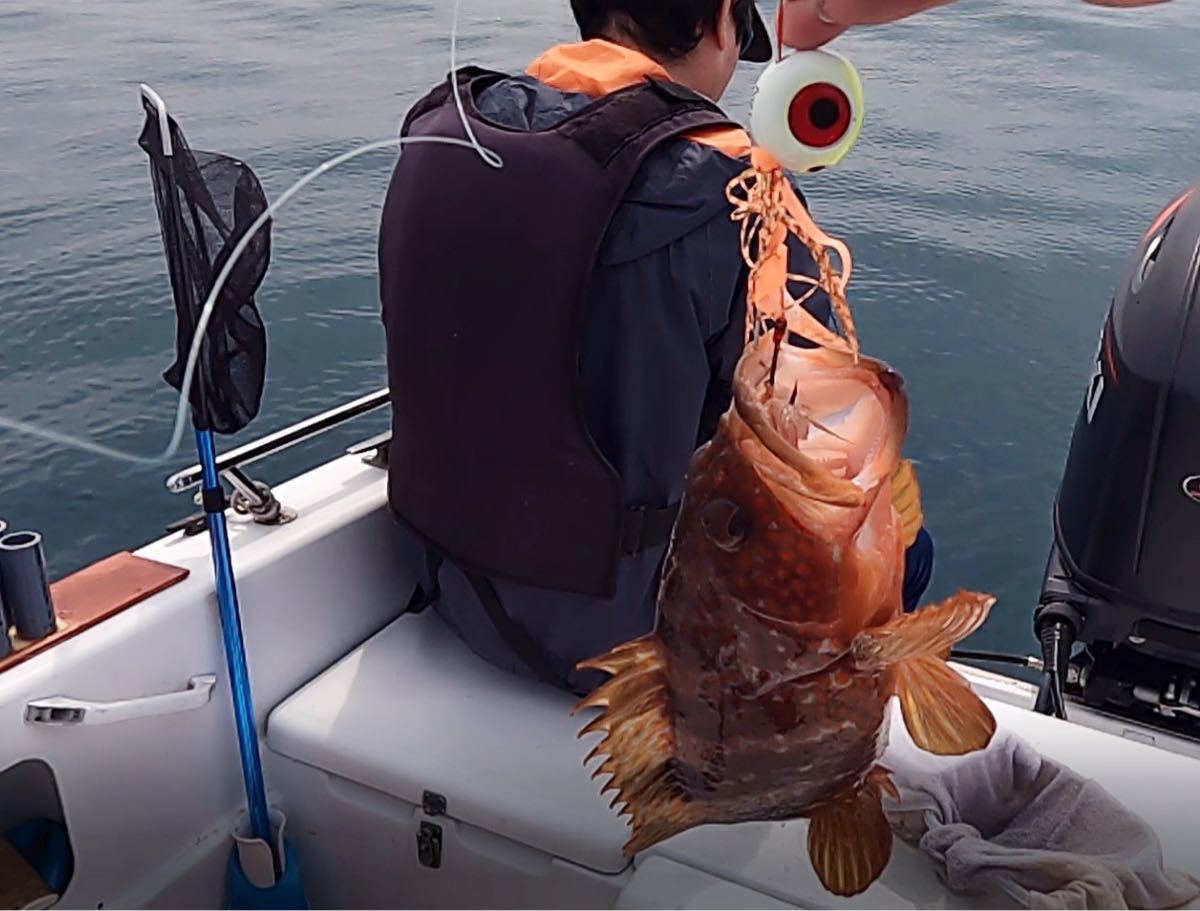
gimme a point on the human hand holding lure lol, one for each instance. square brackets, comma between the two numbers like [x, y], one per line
[808, 24]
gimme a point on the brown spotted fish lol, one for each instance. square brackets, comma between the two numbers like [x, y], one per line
[763, 691]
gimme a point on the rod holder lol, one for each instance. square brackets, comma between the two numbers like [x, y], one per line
[25, 586]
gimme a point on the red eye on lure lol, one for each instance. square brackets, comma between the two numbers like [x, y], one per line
[820, 115]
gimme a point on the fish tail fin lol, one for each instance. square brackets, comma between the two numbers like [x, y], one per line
[929, 630]
[639, 742]
[849, 838]
[942, 713]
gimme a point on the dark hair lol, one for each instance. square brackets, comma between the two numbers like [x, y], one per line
[668, 28]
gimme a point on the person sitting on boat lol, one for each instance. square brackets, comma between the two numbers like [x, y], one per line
[562, 329]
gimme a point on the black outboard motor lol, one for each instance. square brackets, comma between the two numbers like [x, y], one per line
[1123, 576]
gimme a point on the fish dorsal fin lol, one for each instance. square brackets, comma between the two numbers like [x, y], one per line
[930, 630]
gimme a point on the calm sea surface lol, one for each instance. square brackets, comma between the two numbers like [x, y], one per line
[1012, 154]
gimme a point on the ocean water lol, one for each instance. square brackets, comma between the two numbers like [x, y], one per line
[1011, 156]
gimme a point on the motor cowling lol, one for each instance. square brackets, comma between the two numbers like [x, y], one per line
[1126, 557]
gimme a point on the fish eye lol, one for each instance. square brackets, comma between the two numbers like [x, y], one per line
[724, 524]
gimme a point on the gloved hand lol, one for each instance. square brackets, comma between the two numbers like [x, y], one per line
[808, 24]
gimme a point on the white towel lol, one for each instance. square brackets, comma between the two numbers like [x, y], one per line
[1009, 818]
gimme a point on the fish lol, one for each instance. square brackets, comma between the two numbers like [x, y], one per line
[780, 645]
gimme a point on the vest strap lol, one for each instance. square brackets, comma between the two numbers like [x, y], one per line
[645, 528]
[514, 635]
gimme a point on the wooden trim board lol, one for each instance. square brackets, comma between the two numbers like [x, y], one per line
[94, 593]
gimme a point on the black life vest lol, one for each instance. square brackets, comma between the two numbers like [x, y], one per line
[483, 276]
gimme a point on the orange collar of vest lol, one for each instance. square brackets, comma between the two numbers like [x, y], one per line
[598, 67]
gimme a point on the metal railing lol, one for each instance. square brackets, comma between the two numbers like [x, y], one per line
[280, 440]
[254, 497]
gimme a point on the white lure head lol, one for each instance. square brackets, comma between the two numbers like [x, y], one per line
[808, 109]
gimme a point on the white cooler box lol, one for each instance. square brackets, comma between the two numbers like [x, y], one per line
[416, 775]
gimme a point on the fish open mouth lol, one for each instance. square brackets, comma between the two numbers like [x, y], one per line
[820, 412]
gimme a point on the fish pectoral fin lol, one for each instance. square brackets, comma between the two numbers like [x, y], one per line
[942, 713]
[849, 839]
[927, 631]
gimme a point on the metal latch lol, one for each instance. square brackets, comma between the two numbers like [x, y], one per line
[375, 449]
[429, 845]
[429, 834]
[433, 804]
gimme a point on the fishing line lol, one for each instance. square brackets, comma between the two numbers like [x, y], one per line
[489, 157]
